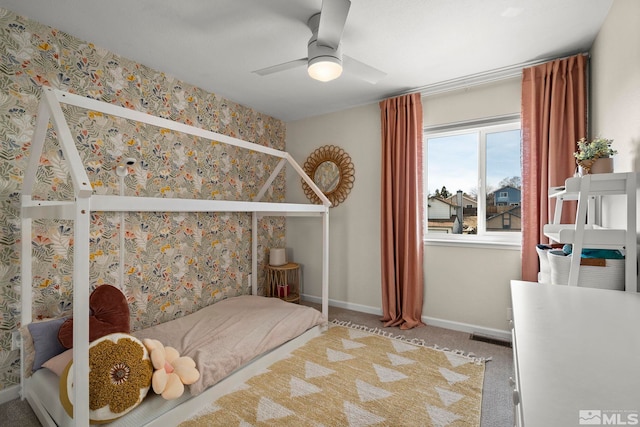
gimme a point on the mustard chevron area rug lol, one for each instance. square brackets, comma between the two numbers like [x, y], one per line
[350, 376]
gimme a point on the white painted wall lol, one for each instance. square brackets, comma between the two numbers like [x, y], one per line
[490, 100]
[615, 95]
[615, 87]
[477, 294]
[354, 240]
[467, 287]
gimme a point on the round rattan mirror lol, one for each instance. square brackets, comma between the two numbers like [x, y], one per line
[331, 169]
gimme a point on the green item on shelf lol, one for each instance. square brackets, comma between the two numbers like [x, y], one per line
[595, 253]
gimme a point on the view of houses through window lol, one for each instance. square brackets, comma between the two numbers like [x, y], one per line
[473, 180]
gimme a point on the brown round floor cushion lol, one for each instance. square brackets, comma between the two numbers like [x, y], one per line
[109, 313]
[120, 373]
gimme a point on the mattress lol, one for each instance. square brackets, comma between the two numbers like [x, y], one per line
[223, 338]
[47, 386]
[226, 335]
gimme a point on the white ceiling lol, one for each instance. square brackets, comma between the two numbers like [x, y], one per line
[216, 44]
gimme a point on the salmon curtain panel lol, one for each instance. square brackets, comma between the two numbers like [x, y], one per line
[402, 211]
[554, 118]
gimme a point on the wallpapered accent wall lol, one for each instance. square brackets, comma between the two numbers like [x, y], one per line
[175, 263]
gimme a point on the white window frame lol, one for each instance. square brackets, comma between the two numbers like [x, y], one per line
[483, 238]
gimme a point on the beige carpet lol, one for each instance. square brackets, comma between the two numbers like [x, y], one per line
[352, 377]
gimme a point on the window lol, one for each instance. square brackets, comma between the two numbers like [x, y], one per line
[473, 181]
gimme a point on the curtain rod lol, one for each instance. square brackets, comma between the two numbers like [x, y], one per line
[479, 78]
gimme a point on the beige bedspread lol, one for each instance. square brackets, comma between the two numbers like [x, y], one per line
[228, 334]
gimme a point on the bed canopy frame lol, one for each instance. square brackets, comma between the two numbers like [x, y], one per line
[79, 211]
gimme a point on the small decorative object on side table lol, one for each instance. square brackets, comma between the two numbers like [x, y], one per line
[283, 281]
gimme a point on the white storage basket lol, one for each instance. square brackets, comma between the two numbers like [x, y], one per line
[610, 276]
[544, 276]
[545, 268]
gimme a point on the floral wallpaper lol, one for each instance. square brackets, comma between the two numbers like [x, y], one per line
[175, 263]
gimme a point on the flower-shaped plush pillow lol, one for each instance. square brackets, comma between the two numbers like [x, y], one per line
[120, 373]
[109, 313]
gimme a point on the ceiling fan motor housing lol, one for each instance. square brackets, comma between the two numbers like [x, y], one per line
[316, 51]
[324, 62]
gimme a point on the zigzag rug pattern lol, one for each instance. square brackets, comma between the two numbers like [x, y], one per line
[351, 377]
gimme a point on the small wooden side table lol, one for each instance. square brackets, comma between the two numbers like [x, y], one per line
[283, 281]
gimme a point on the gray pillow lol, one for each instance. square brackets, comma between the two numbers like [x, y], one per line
[45, 340]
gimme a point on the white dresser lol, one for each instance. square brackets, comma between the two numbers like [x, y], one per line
[576, 353]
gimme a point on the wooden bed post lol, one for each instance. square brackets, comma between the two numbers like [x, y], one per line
[81, 284]
[325, 263]
[81, 311]
[26, 275]
[254, 253]
[26, 289]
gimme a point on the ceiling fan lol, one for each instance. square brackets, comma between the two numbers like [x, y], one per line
[324, 53]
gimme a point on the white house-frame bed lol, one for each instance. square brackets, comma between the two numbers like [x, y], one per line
[79, 211]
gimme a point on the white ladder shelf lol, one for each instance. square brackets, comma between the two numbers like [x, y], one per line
[585, 232]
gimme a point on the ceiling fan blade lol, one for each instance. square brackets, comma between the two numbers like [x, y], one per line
[362, 70]
[281, 67]
[333, 17]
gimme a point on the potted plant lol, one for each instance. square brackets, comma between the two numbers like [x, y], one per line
[595, 156]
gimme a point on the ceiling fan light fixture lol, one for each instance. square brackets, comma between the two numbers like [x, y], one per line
[325, 68]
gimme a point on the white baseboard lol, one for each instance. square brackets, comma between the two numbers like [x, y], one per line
[9, 393]
[466, 327]
[442, 323]
[346, 305]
